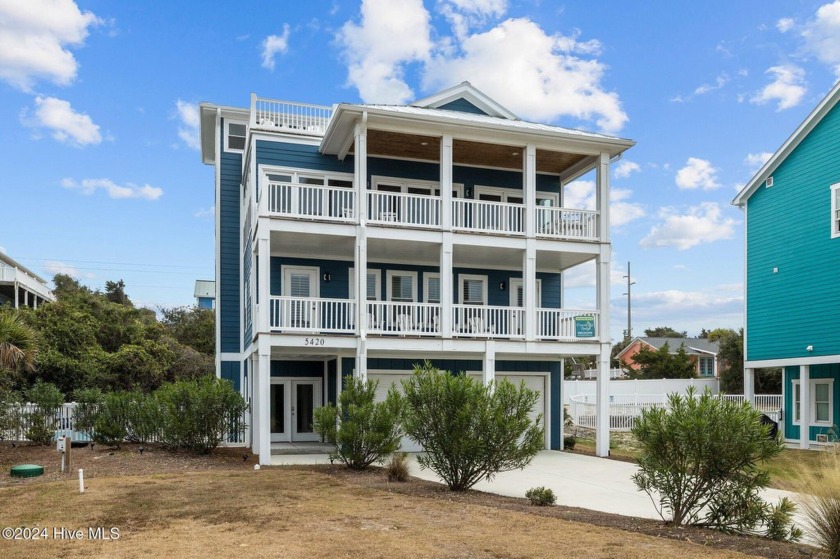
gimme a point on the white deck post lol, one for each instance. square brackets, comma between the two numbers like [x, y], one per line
[529, 187]
[749, 385]
[446, 182]
[446, 286]
[264, 279]
[489, 368]
[263, 404]
[361, 360]
[529, 291]
[804, 406]
[360, 169]
[602, 266]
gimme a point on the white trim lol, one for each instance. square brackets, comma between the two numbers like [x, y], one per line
[377, 288]
[835, 207]
[297, 172]
[513, 282]
[463, 277]
[426, 277]
[792, 361]
[403, 273]
[405, 184]
[225, 147]
[813, 403]
[468, 92]
[517, 193]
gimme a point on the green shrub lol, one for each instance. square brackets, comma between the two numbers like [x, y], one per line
[569, 442]
[397, 467]
[700, 459]
[820, 501]
[470, 431]
[144, 418]
[541, 496]
[199, 414]
[111, 419]
[41, 420]
[362, 431]
[87, 401]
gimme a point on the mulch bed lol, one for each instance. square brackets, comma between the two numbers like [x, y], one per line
[129, 460]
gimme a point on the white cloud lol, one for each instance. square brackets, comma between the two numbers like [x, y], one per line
[66, 125]
[700, 224]
[114, 190]
[697, 173]
[785, 24]
[391, 33]
[465, 14]
[684, 310]
[274, 44]
[189, 123]
[822, 35]
[756, 160]
[34, 40]
[786, 88]
[583, 275]
[206, 213]
[720, 81]
[57, 267]
[537, 76]
[625, 168]
[580, 194]
[3, 250]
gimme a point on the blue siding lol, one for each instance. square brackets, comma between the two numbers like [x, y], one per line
[789, 229]
[332, 365]
[462, 106]
[816, 371]
[229, 252]
[230, 371]
[205, 302]
[301, 156]
[313, 369]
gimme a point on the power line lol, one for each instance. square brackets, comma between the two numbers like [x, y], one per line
[63, 260]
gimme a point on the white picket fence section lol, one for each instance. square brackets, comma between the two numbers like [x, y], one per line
[625, 408]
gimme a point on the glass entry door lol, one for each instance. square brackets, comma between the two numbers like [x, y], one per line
[293, 405]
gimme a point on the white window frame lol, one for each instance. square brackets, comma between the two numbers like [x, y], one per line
[378, 287]
[426, 277]
[228, 122]
[311, 269]
[297, 173]
[391, 273]
[463, 278]
[813, 396]
[835, 208]
[512, 285]
[405, 184]
[505, 192]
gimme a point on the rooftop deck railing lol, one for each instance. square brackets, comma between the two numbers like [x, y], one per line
[294, 118]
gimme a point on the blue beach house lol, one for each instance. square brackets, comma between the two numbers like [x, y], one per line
[360, 239]
[792, 215]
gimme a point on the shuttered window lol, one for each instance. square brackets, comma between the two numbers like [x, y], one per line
[473, 290]
[402, 288]
[433, 289]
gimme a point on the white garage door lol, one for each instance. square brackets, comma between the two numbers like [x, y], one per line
[534, 383]
[385, 382]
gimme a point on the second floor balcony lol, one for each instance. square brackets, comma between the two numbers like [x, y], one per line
[407, 210]
[308, 315]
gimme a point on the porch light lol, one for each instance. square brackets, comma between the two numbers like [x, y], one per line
[502, 286]
[327, 276]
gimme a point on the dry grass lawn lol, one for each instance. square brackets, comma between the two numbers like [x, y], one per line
[286, 512]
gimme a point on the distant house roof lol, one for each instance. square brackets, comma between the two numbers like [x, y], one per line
[205, 288]
[693, 346]
[7, 260]
[825, 106]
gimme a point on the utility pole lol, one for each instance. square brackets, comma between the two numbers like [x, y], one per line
[629, 315]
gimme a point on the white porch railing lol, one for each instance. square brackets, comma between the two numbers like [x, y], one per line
[412, 319]
[307, 314]
[484, 321]
[563, 223]
[560, 324]
[763, 402]
[488, 217]
[328, 203]
[408, 210]
[297, 118]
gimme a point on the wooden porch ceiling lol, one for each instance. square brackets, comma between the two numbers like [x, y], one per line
[427, 148]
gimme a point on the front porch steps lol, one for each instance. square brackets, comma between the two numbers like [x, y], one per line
[300, 448]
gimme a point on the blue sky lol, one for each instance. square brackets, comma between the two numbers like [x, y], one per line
[102, 178]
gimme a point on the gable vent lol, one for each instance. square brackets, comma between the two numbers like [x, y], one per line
[769, 182]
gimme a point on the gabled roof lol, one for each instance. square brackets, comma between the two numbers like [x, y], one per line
[468, 92]
[693, 346]
[824, 107]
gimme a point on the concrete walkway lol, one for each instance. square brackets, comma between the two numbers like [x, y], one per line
[577, 481]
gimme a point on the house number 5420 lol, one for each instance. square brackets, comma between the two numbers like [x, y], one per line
[313, 341]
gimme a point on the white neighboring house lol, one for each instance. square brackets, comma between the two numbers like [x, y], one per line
[361, 239]
[20, 286]
[205, 294]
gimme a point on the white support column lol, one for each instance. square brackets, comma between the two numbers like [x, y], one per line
[360, 169]
[602, 197]
[529, 291]
[360, 271]
[264, 280]
[17, 303]
[804, 406]
[446, 286]
[529, 187]
[602, 287]
[262, 403]
[361, 360]
[446, 182]
[749, 385]
[489, 367]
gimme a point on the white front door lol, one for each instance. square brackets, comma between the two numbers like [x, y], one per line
[293, 405]
[301, 283]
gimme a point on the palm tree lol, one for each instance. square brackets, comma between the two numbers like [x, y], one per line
[17, 343]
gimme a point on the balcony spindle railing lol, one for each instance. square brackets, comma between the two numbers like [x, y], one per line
[482, 321]
[403, 318]
[295, 118]
[488, 217]
[307, 314]
[407, 210]
[563, 223]
[328, 203]
[561, 324]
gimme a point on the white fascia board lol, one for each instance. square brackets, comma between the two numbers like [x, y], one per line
[792, 361]
[207, 127]
[469, 92]
[828, 103]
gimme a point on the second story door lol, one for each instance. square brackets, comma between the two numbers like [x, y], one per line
[300, 284]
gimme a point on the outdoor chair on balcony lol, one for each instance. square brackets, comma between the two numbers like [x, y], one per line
[404, 324]
[478, 326]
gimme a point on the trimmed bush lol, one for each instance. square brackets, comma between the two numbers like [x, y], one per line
[397, 467]
[41, 421]
[362, 431]
[569, 442]
[87, 401]
[700, 464]
[541, 496]
[470, 431]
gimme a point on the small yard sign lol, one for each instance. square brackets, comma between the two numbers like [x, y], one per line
[584, 326]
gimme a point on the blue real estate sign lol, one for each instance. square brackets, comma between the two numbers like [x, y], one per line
[584, 326]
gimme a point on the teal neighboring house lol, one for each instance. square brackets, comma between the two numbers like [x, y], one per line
[792, 215]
